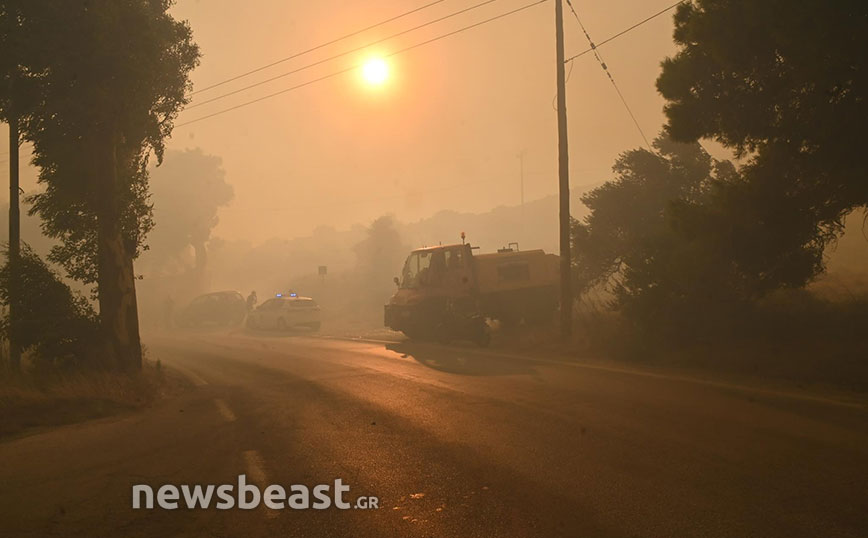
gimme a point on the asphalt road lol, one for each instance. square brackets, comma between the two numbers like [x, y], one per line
[453, 443]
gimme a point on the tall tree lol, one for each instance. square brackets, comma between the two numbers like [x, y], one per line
[188, 189]
[378, 256]
[651, 240]
[105, 80]
[783, 83]
[685, 241]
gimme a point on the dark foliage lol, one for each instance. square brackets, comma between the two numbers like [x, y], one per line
[57, 325]
[783, 83]
[78, 71]
[679, 240]
[628, 242]
[97, 86]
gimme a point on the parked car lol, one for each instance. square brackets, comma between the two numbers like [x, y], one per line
[222, 308]
[285, 312]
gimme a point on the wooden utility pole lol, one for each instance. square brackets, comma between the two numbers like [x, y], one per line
[521, 172]
[14, 241]
[563, 180]
[522, 234]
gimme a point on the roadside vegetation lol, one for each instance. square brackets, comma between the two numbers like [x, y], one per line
[692, 260]
[64, 376]
[94, 88]
[37, 397]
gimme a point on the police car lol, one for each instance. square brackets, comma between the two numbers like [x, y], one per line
[284, 312]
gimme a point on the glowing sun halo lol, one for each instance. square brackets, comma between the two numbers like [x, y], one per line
[375, 71]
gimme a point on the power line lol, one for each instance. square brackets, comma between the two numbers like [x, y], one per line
[609, 74]
[354, 67]
[622, 32]
[312, 49]
[330, 58]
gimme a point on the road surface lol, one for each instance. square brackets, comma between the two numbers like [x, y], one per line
[453, 443]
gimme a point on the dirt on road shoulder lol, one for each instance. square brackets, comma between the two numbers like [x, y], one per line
[36, 400]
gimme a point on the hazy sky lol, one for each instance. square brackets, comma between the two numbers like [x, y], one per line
[444, 132]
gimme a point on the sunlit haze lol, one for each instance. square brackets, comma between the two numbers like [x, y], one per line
[444, 132]
[375, 71]
[418, 268]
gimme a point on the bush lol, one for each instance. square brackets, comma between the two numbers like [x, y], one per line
[56, 325]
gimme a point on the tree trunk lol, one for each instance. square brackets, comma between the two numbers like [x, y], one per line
[201, 256]
[117, 291]
[200, 270]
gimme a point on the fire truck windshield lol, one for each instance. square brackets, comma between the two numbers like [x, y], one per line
[416, 269]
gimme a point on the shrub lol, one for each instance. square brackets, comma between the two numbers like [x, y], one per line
[58, 326]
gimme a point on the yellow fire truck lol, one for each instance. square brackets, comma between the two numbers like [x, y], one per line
[448, 293]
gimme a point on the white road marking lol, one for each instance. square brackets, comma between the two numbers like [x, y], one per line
[256, 472]
[255, 467]
[224, 410]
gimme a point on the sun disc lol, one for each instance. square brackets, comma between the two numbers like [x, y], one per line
[375, 71]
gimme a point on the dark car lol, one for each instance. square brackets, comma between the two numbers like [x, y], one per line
[222, 308]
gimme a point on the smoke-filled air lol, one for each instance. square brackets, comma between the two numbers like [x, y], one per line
[453, 268]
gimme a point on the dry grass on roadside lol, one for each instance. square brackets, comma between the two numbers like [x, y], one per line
[36, 398]
[794, 337]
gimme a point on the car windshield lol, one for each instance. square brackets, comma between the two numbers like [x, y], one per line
[415, 269]
[203, 300]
